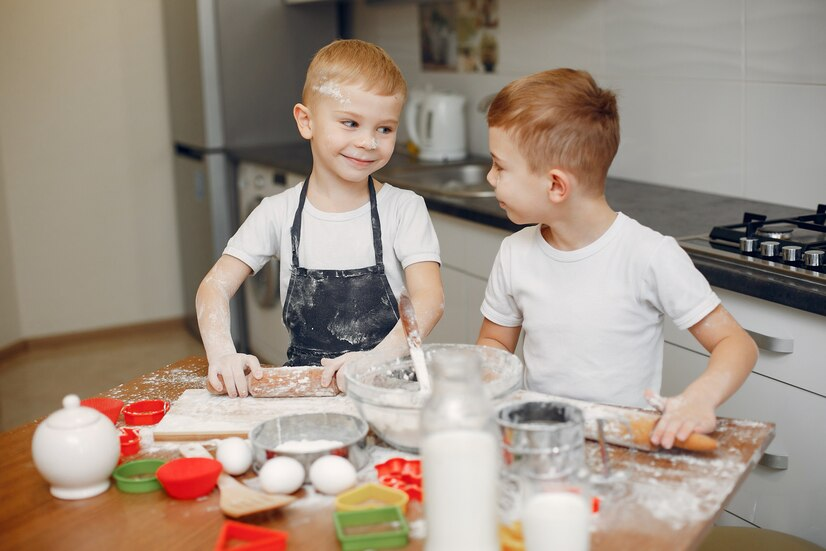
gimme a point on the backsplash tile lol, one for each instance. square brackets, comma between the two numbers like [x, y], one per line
[697, 39]
[681, 132]
[786, 41]
[542, 34]
[696, 104]
[785, 160]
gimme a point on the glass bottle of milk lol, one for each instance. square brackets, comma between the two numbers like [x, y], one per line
[460, 457]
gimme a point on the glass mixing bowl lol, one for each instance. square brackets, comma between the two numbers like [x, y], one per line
[385, 390]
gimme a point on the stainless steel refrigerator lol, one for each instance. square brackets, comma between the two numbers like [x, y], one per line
[235, 69]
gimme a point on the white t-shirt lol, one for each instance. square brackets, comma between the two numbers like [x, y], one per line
[593, 318]
[338, 240]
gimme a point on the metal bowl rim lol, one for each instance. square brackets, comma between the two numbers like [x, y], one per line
[535, 426]
[363, 428]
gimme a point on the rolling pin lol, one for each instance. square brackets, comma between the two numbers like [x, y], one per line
[286, 382]
[641, 426]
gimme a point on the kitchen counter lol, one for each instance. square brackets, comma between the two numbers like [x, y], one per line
[674, 212]
[669, 502]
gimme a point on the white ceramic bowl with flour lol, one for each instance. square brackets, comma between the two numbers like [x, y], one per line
[308, 436]
[387, 395]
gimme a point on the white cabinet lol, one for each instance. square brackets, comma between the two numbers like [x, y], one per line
[468, 250]
[790, 340]
[786, 388]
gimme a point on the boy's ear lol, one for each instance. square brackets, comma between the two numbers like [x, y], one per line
[301, 113]
[559, 185]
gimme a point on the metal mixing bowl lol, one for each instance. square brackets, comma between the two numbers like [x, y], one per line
[351, 431]
[387, 394]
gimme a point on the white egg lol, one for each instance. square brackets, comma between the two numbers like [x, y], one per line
[332, 474]
[281, 475]
[235, 455]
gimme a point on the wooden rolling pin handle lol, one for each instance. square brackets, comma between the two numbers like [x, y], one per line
[644, 426]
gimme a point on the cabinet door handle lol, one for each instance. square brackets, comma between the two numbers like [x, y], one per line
[772, 344]
[776, 462]
[775, 457]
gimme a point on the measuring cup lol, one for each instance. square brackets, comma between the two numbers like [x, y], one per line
[543, 449]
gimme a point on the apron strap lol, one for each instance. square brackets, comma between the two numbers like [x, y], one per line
[376, 223]
[295, 230]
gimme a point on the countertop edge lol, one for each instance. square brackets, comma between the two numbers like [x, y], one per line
[761, 284]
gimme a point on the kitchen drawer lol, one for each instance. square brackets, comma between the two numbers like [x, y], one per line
[789, 500]
[467, 246]
[791, 341]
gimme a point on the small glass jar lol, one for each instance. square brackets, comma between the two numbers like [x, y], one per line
[460, 457]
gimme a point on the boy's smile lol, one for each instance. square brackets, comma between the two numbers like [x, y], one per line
[352, 131]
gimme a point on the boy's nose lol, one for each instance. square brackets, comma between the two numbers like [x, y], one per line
[369, 142]
[491, 178]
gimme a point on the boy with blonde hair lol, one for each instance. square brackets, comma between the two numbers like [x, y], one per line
[588, 285]
[347, 244]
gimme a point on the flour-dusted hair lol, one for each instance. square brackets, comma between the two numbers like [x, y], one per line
[560, 119]
[353, 62]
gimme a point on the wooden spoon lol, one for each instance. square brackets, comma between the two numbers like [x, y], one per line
[237, 499]
[414, 340]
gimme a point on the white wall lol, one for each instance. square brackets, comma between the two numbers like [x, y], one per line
[9, 312]
[87, 166]
[723, 96]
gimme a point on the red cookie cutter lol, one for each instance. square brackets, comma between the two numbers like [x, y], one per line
[239, 536]
[130, 441]
[403, 474]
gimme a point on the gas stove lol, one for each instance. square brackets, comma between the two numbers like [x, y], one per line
[794, 247]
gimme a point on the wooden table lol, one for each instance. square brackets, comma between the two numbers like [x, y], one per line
[671, 500]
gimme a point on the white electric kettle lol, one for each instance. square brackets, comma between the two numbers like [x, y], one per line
[436, 124]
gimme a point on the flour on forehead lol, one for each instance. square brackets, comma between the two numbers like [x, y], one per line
[332, 89]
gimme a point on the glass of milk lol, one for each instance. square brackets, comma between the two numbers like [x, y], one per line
[460, 457]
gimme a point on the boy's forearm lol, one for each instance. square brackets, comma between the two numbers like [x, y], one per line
[493, 343]
[498, 336]
[428, 306]
[212, 306]
[729, 364]
[212, 310]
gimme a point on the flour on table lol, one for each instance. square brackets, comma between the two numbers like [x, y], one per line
[155, 384]
[198, 411]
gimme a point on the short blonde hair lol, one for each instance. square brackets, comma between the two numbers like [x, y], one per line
[354, 62]
[560, 118]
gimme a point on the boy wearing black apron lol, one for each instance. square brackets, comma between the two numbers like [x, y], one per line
[352, 243]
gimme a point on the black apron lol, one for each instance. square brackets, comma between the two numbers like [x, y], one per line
[330, 312]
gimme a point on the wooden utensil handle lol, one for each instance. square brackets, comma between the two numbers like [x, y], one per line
[642, 427]
[286, 382]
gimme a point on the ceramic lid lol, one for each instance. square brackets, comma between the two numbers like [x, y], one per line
[73, 415]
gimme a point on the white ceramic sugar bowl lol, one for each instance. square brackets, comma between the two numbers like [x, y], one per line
[76, 449]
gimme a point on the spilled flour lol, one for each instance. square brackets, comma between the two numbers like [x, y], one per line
[156, 384]
[198, 411]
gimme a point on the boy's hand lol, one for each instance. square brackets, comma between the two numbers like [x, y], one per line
[681, 417]
[332, 366]
[233, 369]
